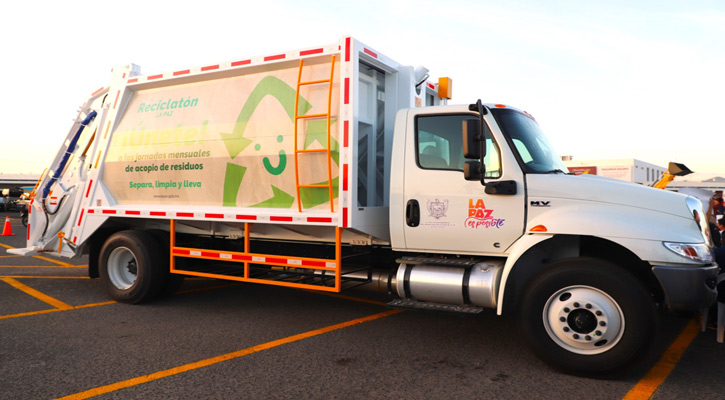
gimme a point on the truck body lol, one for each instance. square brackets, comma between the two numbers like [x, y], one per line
[335, 167]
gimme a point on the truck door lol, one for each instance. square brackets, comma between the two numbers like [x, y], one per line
[443, 211]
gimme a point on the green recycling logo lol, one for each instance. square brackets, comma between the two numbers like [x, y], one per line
[235, 143]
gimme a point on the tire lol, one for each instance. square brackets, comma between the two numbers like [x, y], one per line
[130, 267]
[171, 282]
[588, 317]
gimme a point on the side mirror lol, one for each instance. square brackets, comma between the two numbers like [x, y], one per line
[472, 139]
[472, 170]
[474, 145]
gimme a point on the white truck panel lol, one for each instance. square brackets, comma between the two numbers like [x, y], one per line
[217, 143]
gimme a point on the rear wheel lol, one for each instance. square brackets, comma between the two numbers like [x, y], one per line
[171, 282]
[130, 267]
[588, 316]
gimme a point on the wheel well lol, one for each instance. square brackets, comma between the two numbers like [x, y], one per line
[566, 246]
[95, 243]
[99, 237]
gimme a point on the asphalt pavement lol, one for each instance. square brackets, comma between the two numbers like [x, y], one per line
[62, 337]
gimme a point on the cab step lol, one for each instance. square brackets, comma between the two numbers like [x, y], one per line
[406, 304]
[448, 262]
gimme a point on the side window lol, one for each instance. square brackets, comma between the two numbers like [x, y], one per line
[439, 142]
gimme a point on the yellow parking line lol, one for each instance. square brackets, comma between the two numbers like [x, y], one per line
[65, 264]
[645, 388]
[43, 277]
[44, 266]
[38, 295]
[27, 314]
[225, 357]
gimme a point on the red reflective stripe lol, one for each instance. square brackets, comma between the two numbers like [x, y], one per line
[152, 77]
[309, 263]
[251, 217]
[158, 213]
[209, 254]
[115, 102]
[241, 257]
[97, 91]
[281, 219]
[209, 68]
[81, 217]
[347, 90]
[90, 183]
[346, 133]
[308, 52]
[430, 85]
[347, 49]
[277, 57]
[184, 72]
[183, 214]
[133, 212]
[213, 215]
[344, 177]
[243, 62]
[319, 219]
[344, 217]
[276, 260]
[133, 80]
[370, 52]
[109, 211]
[90, 211]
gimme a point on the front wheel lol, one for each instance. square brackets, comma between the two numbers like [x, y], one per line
[130, 266]
[588, 316]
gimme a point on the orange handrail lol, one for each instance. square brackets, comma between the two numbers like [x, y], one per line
[328, 149]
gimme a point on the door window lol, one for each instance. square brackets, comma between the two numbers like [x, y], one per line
[439, 144]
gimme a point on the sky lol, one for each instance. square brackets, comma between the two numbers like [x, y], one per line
[615, 79]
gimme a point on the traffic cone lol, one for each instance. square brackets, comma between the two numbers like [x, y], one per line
[7, 229]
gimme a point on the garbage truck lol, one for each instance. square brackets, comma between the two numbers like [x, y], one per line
[335, 167]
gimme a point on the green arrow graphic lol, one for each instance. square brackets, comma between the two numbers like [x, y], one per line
[235, 141]
[312, 197]
[279, 199]
[232, 181]
[317, 132]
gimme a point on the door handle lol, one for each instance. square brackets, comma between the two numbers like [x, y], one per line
[412, 213]
[501, 187]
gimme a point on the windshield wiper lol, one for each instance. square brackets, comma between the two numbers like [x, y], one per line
[557, 171]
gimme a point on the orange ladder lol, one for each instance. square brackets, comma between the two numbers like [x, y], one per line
[323, 150]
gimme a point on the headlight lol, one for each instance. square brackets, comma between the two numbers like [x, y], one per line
[695, 207]
[696, 252]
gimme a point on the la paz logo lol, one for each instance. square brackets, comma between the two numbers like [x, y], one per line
[480, 216]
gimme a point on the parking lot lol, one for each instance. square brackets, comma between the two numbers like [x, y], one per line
[61, 337]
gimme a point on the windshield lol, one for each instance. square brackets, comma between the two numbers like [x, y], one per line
[534, 149]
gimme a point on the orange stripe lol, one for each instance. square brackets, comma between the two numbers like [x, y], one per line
[645, 388]
[225, 357]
